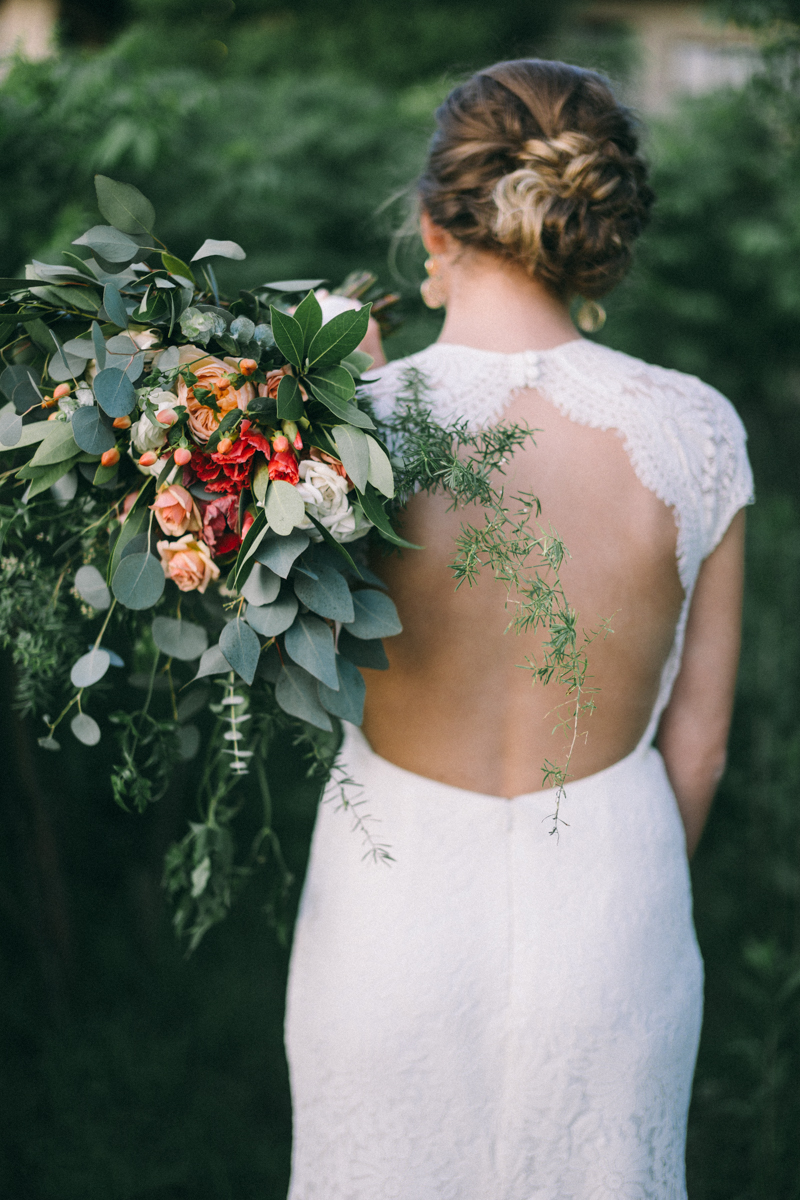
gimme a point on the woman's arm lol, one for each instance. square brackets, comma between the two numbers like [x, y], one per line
[693, 732]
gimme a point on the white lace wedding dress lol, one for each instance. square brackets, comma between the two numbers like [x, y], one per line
[498, 1016]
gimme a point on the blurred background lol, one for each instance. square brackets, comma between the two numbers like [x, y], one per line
[296, 127]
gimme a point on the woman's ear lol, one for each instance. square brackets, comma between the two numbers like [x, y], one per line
[435, 239]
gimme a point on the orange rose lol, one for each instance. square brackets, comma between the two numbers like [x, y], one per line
[270, 388]
[213, 374]
[176, 511]
[187, 563]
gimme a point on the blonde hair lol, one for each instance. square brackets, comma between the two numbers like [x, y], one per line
[537, 161]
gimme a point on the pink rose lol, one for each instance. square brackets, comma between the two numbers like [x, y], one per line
[176, 511]
[127, 505]
[187, 563]
[213, 374]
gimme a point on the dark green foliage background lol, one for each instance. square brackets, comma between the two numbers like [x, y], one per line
[129, 1072]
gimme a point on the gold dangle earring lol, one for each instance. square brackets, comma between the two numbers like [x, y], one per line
[433, 289]
[591, 317]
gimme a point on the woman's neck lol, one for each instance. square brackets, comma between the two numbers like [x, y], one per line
[495, 305]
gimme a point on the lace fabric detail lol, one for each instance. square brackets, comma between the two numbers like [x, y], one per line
[685, 441]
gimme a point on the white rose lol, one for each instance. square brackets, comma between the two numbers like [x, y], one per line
[324, 493]
[147, 434]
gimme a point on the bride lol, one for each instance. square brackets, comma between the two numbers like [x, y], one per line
[500, 1014]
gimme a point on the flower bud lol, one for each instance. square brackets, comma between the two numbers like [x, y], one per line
[167, 416]
[110, 458]
[280, 443]
[148, 459]
[298, 441]
[53, 416]
[183, 456]
[61, 391]
[247, 366]
[121, 422]
[224, 445]
[49, 402]
[290, 429]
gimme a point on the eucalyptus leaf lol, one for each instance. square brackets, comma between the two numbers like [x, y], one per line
[211, 247]
[375, 615]
[91, 587]
[294, 285]
[328, 595]
[213, 662]
[115, 393]
[271, 619]
[354, 452]
[188, 742]
[363, 652]
[48, 743]
[89, 431]
[179, 639]
[259, 481]
[90, 668]
[296, 693]
[115, 305]
[261, 586]
[44, 477]
[56, 447]
[138, 581]
[348, 702]
[241, 648]
[80, 348]
[64, 489]
[309, 642]
[109, 243]
[99, 343]
[10, 427]
[64, 366]
[284, 507]
[85, 729]
[20, 385]
[124, 206]
[380, 473]
[242, 329]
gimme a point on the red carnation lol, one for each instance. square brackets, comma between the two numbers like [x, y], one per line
[283, 465]
[219, 525]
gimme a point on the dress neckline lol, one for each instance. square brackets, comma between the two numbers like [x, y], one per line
[526, 354]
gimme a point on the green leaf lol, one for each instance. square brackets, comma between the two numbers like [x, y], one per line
[241, 648]
[124, 206]
[39, 334]
[363, 652]
[309, 642]
[374, 510]
[99, 343]
[271, 619]
[284, 507]
[262, 586]
[44, 477]
[348, 702]
[278, 553]
[14, 285]
[10, 427]
[89, 431]
[57, 446]
[335, 382]
[138, 581]
[20, 385]
[90, 668]
[176, 266]
[259, 480]
[345, 412]
[308, 315]
[290, 400]
[115, 306]
[105, 474]
[294, 285]
[32, 433]
[83, 298]
[85, 729]
[109, 243]
[296, 693]
[331, 541]
[91, 587]
[179, 639]
[63, 366]
[376, 616]
[357, 362]
[114, 392]
[288, 336]
[328, 595]
[81, 348]
[132, 526]
[211, 248]
[252, 540]
[354, 453]
[380, 473]
[212, 662]
[339, 337]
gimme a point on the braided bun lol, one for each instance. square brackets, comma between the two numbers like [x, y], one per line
[536, 161]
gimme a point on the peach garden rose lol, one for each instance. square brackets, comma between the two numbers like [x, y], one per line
[188, 563]
[214, 374]
[176, 511]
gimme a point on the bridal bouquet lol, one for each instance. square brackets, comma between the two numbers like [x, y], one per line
[205, 471]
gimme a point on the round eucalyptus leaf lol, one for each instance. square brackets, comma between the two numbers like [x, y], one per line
[261, 586]
[90, 668]
[115, 393]
[179, 639]
[138, 581]
[241, 648]
[86, 729]
[48, 743]
[271, 619]
[213, 662]
[376, 616]
[89, 430]
[348, 701]
[296, 693]
[91, 587]
[188, 742]
[64, 489]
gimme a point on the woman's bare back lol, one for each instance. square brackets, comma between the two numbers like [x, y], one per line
[457, 705]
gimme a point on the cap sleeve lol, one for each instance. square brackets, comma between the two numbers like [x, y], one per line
[733, 476]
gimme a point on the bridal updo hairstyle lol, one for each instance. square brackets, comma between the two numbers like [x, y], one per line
[536, 161]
